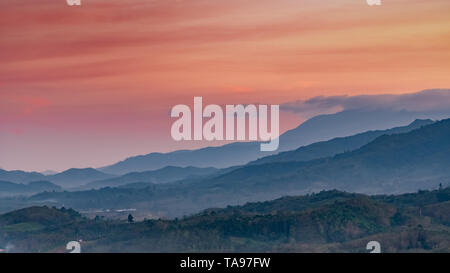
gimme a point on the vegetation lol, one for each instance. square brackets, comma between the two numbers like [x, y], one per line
[329, 221]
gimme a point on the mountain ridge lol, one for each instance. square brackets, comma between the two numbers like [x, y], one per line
[337, 145]
[315, 129]
[159, 176]
[395, 163]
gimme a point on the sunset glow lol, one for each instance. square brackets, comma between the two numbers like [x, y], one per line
[90, 85]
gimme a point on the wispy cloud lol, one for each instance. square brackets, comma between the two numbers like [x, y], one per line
[427, 100]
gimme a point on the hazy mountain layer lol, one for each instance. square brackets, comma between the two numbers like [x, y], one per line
[9, 188]
[319, 128]
[337, 145]
[164, 175]
[390, 164]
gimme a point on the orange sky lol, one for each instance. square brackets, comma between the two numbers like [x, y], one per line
[90, 85]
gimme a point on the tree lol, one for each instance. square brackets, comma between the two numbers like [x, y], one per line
[130, 218]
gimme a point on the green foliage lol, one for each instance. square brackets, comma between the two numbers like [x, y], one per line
[327, 221]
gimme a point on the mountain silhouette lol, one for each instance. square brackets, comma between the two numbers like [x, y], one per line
[77, 177]
[337, 145]
[389, 164]
[319, 128]
[10, 188]
[20, 176]
[164, 175]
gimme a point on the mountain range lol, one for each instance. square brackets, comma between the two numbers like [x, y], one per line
[9, 188]
[337, 145]
[163, 175]
[77, 177]
[20, 176]
[66, 179]
[315, 129]
[395, 163]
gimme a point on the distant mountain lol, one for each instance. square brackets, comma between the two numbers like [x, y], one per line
[77, 177]
[218, 157]
[164, 175]
[39, 186]
[9, 188]
[49, 172]
[329, 221]
[390, 164]
[136, 185]
[319, 128]
[20, 176]
[337, 145]
[68, 178]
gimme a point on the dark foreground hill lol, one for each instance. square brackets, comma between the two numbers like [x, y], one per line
[329, 221]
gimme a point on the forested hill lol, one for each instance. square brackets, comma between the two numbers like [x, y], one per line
[330, 221]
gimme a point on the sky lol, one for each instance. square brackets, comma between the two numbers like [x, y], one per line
[89, 85]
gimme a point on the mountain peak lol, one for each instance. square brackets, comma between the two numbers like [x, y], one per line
[421, 122]
[319, 128]
[77, 176]
[76, 170]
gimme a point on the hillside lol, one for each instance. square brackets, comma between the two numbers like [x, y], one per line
[329, 221]
[337, 145]
[40, 215]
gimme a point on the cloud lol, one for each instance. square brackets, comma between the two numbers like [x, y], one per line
[427, 100]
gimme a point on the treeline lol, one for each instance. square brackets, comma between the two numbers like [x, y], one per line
[330, 221]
